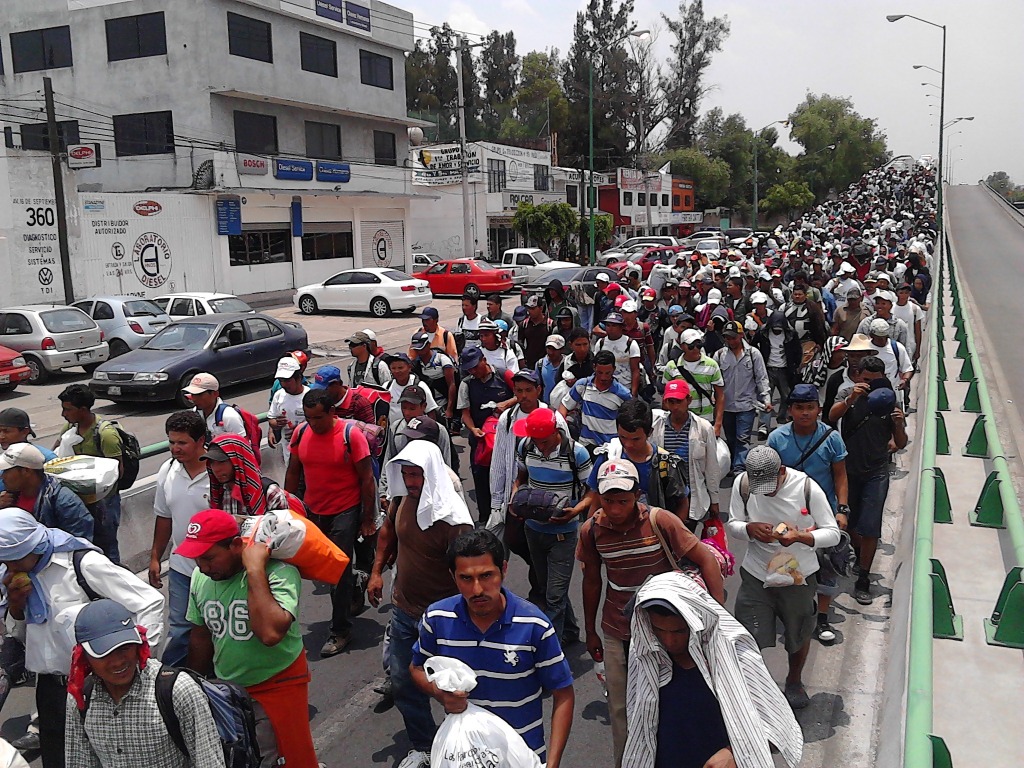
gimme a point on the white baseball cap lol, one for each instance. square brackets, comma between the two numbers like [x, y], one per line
[22, 455]
[617, 475]
[690, 335]
[286, 367]
[206, 382]
[714, 296]
[759, 297]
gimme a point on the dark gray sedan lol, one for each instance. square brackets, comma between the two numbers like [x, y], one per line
[233, 347]
[585, 275]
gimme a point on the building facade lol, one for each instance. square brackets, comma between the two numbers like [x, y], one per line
[274, 132]
[650, 203]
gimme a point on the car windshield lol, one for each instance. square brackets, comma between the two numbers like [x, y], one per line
[182, 336]
[141, 309]
[563, 275]
[541, 257]
[229, 304]
[66, 321]
[394, 274]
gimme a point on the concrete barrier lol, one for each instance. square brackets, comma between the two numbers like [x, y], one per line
[135, 536]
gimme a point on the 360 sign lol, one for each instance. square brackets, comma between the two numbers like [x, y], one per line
[40, 217]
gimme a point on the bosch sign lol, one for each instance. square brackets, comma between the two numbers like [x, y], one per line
[251, 165]
[147, 207]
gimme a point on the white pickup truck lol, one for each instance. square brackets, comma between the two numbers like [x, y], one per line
[529, 265]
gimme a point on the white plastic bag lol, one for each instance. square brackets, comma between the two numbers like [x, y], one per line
[85, 475]
[475, 738]
[68, 441]
[724, 456]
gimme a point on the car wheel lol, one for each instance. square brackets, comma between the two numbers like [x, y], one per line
[91, 367]
[379, 307]
[472, 290]
[37, 371]
[118, 348]
[179, 396]
[308, 305]
[5, 388]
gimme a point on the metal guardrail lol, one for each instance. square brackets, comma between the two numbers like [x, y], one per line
[932, 615]
[149, 451]
[1010, 206]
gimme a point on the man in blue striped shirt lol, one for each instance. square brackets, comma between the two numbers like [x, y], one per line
[506, 640]
[599, 398]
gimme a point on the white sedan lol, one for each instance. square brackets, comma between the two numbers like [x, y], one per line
[379, 290]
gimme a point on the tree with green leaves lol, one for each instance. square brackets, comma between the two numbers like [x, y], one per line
[822, 121]
[710, 176]
[431, 86]
[1001, 182]
[789, 198]
[604, 227]
[696, 39]
[549, 225]
[538, 99]
[500, 68]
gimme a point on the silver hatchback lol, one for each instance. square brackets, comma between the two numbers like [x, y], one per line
[127, 322]
[52, 338]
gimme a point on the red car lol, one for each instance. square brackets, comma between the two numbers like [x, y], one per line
[12, 369]
[470, 277]
[645, 260]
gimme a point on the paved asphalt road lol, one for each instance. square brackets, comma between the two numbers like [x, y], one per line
[843, 681]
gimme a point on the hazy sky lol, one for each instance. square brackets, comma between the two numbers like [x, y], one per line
[780, 49]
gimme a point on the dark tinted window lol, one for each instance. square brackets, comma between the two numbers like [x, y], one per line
[250, 38]
[263, 247]
[572, 196]
[319, 54]
[145, 133]
[375, 70]
[41, 49]
[256, 134]
[327, 245]
[323, 140]
[132, 37]
[384, 148]
[36, 135]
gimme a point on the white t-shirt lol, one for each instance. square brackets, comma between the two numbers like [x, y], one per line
[783, 507]
[178, 497]
[289, 406]
[501, 360]
[777, 352]
[624, 349]
[910, 313]
[470, 329]
[231, 421]
[893, 366]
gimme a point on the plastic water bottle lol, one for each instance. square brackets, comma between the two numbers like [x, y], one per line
[601, 678]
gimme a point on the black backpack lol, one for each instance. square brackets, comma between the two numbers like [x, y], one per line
[131, 453]
[231, 706]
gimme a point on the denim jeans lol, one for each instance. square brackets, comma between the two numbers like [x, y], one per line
[737, 427]
[867, 496]
[179, 628]
[778, 380]
[343, 530]
[553, 556]
[586, 316]
[106, 515]
[410, 700]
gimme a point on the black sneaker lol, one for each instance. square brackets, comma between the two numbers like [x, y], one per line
[862, 592]
[824, 633]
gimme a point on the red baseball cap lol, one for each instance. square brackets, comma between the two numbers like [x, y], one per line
[539, 424]
[205, 529]
[677, 389]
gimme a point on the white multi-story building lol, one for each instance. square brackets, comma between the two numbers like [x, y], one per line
[261, 143]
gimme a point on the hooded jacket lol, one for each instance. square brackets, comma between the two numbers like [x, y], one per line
[790, 344]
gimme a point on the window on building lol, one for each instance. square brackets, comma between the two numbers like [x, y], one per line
[384, 148]
[255, 134]
[133, 37]
[676, 202]
[249, 249]
[328, 245]
[376, 70]
[41, 49]
[627, 198]
[664, 201]
[687, 201]
[496, 178]
[641, 198]
[144, 133]
[36, 135]
[318, 54]
[541, 178]
[572, 195]
[249, 38]
[323, 140]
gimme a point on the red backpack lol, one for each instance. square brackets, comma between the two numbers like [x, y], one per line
[253, 430]
[484, 449]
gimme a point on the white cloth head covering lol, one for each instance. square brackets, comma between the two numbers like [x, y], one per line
[755, 712]
[439, 501]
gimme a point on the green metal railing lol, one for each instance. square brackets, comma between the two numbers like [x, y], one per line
[149, 451]
[932, 615]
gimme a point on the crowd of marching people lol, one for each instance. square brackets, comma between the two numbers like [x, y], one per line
[628, 436]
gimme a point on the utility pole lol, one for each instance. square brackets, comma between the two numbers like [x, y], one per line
[53, 136]
[467, 229]
[753, 219]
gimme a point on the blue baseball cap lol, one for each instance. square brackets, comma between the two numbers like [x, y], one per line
[103, 626]
[614, 317]
[881, 401]
[675, 309]
[325, 376]
[470, 359]
[429, 314]
[803, 393]
[527, 374]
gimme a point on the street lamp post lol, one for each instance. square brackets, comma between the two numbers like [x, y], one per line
[942, 101]
[753, 216]
[590, 181]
